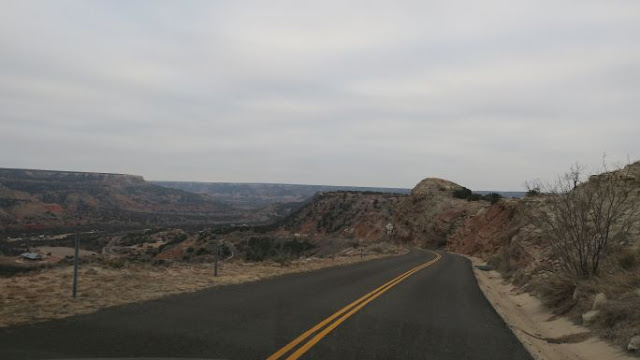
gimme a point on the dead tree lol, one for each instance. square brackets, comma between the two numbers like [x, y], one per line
[581, 220]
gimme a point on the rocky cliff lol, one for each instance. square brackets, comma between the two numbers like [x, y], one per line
[40, 199]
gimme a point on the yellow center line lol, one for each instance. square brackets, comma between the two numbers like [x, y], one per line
[307, 333]
[349, 310]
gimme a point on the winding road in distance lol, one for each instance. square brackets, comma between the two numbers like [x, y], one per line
[422, 305]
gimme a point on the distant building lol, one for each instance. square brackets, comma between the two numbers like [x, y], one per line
[31, 256]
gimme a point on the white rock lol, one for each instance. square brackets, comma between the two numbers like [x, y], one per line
[576, 294]
[589, 316]
[599, 301]
[634, 344]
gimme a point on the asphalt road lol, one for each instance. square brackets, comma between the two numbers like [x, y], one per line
[436, 312]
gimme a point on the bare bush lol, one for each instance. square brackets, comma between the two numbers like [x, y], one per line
[582, 220]
[556, 292]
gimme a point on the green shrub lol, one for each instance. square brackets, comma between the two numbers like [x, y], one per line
[463, 193]
[469, 195]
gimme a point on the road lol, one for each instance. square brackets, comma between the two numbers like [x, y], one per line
[435, 311]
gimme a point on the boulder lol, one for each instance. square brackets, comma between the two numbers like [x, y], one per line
[576, 294]
[590, 316]
[599, 301]
[634, 344]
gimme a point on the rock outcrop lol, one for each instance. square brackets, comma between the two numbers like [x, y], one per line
[431, 213]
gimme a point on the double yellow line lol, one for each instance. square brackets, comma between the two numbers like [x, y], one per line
[342, 315]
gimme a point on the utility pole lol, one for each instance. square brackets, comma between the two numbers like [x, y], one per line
[333, 250]
[215, 269]
[75, 267]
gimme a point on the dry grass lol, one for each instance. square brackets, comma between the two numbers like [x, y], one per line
[46, 294]
[619, 280]
[555, 292]
[620, 317]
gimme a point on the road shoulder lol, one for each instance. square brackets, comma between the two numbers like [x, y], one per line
[46, 295]
[545, 336]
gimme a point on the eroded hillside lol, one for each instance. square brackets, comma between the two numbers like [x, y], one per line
[38, 199]
[358, 215]
[257, 195]
[431, 213]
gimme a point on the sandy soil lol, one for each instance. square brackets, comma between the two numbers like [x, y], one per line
[60, 252]
[46, 294]
[547, 337]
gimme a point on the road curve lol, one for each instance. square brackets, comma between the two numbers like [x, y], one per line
[416, 306]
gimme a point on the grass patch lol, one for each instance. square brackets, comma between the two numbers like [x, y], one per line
[46, 294]
[620, 319]
[556, 292]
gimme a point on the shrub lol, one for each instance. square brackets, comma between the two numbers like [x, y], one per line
[533, 192]
[556, 292]
[203, 251]
[263, 248]
[377, 249]
[627, 259]
[499, 263]
[492, 197]
[259, 248]
[620, 318]
[116, 263]
[159, 262]
[463, 193]
[469, 195]
[584, 219]
[283, 257]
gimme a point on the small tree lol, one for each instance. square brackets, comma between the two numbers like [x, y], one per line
[282, 253]
[582, 219]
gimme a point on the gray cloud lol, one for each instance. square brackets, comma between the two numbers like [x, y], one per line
[488, 94]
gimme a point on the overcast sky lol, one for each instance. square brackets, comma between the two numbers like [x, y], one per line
[488, 94]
